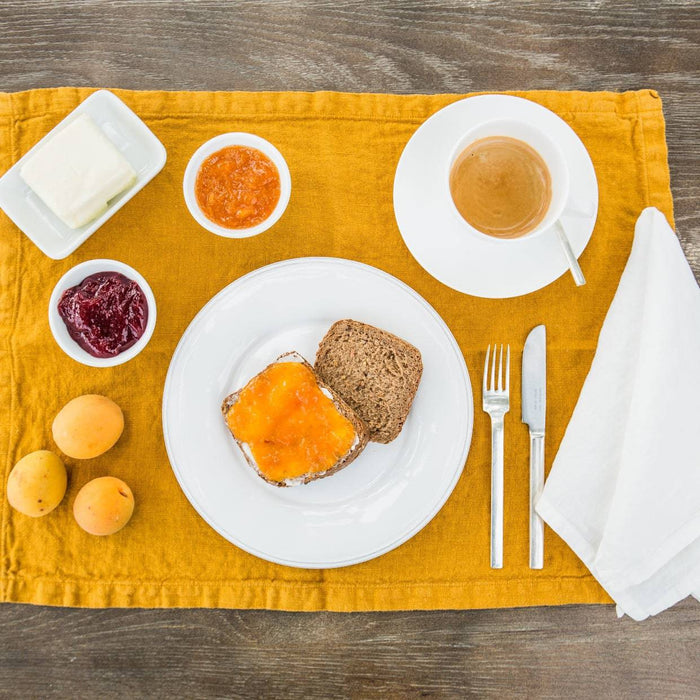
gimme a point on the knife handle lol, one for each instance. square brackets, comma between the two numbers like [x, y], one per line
[536, 486]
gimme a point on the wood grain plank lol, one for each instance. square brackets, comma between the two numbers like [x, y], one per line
[403, 47]
[545, 652]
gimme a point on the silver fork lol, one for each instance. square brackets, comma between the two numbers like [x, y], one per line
[496, 402]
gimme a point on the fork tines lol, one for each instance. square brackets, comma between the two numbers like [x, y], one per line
[490, 384]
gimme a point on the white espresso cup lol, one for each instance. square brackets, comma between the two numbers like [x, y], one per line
[541, 144]
[550, 153]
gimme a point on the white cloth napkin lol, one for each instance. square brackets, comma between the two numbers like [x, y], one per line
[624, 489]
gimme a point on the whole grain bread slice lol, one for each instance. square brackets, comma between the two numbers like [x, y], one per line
[374, 371]
[361, 439]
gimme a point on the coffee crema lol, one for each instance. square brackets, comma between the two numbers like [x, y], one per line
[501, 186]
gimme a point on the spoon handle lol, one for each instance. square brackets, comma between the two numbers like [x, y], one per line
[575, 268]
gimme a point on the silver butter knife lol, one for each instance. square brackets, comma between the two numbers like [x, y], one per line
[534, 408]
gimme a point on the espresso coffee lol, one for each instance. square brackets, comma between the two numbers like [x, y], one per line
[501, 186]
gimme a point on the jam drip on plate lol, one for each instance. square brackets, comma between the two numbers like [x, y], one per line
[105, 314]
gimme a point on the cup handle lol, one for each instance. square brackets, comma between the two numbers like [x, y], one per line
[575, 268]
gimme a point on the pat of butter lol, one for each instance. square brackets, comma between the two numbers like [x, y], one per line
[77, 172]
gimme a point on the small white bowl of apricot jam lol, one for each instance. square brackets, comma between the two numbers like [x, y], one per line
[237, 185]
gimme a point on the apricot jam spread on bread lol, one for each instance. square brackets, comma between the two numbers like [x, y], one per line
[290, 426]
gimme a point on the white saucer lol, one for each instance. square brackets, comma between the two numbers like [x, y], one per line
[389, 492]
[434, 233]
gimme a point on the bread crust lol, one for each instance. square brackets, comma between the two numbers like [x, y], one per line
[362, 436]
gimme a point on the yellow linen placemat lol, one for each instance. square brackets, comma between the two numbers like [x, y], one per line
[342, 151]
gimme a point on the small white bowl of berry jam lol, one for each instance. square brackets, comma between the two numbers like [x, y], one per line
[102, 313]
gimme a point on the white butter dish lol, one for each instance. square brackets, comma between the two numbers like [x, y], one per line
[131, 137]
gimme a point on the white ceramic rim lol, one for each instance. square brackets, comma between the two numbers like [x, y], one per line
[75, 276]
[499, 127]
[236, 138]
[194, 501]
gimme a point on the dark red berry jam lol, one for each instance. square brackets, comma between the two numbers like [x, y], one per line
[105, 314]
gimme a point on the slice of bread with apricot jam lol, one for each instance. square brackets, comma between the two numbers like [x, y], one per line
[290, 426]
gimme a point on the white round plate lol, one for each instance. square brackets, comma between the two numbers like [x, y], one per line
[434, 233]
[390, 491]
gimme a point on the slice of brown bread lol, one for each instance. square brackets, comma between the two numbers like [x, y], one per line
[361, 434]
[374, 371]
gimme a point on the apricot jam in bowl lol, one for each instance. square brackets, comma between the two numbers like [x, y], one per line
[237, 185]
[102, 313]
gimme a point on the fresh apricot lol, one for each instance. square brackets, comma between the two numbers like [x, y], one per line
[37, 483]
[103, 506]
[87, 426]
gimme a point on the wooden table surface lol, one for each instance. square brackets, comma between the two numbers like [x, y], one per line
[405, 47]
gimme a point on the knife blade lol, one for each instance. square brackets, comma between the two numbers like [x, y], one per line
[534, 410]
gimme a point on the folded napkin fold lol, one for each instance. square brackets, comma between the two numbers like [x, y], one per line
[624, 489]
